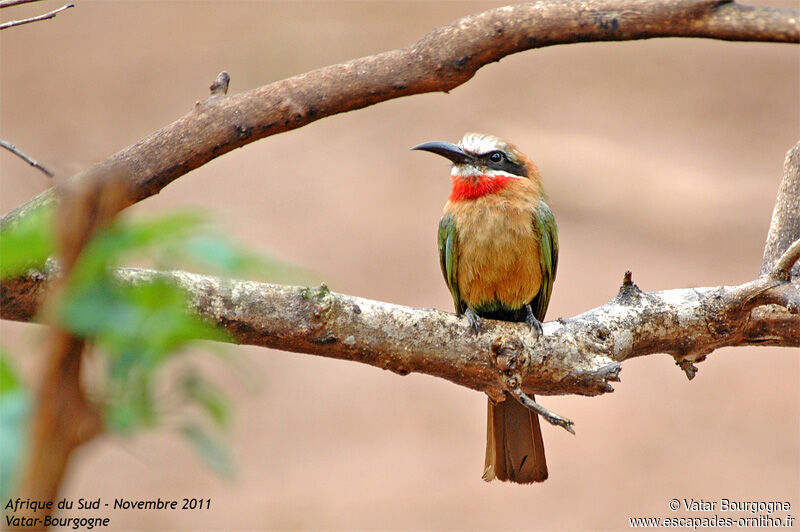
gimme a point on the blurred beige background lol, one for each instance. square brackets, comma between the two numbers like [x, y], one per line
[660, 156]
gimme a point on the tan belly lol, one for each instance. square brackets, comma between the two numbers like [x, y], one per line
[498, 255]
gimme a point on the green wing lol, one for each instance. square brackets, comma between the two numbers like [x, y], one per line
[448, 258]
[548, 258]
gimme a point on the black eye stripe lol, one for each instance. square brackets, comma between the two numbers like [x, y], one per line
[504, 163]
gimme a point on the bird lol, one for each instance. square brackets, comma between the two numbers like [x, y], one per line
[498, 251]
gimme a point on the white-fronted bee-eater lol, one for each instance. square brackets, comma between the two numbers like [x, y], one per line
[498, 248]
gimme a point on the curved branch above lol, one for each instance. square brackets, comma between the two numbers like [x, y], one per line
[442, 60]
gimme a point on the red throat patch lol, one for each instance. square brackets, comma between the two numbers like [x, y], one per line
[475, 187]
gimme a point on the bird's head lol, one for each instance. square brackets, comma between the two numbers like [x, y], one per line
[482, 164]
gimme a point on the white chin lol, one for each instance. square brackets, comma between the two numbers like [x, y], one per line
[466, 171]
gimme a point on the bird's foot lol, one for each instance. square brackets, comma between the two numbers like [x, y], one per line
[533, 323]
[474, 320]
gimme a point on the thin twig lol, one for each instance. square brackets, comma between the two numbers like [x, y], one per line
[549, 416]
[51, 14]
[783, 267]
[10, 3]
[13, 149]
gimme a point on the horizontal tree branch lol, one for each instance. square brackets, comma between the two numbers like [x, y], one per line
[579, 355]
[441, 61]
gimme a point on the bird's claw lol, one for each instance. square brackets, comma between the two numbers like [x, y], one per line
[474, 320]
[533, 323]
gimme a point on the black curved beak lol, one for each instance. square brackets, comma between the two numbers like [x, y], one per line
[446, 149]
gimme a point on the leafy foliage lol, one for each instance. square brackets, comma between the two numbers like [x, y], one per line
[141, 327]
[15, 403]
[215, 454]
[27, 244]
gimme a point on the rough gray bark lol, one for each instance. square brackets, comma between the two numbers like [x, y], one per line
[785, 225]
[578, 355]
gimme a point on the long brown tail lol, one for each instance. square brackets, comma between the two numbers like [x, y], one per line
[514, 446]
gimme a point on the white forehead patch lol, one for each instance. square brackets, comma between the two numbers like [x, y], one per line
[478, 144]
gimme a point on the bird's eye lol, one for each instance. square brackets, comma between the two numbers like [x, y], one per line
[496, 156]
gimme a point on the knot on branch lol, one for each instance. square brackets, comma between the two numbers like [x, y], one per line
[688, 367]
[596, 381]
[603, 336]
[243, 131]
[723, 314]
[781, 293]
[507, 355]
[511, 359]
[629, 293]
[320, 304]
[220, 85]
[321, 297]
[607, 20]
[780, 289]
[218, 88]
[729, 309]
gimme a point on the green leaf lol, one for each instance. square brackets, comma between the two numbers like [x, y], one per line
[215, 453]
[9, 381]
[141, 327]
[124, 238]
[200, 391]
[122, 417]
[26, 244]
[15, 407]
[216, 253]
[151, 318]
[210, 252]
[131, 404]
